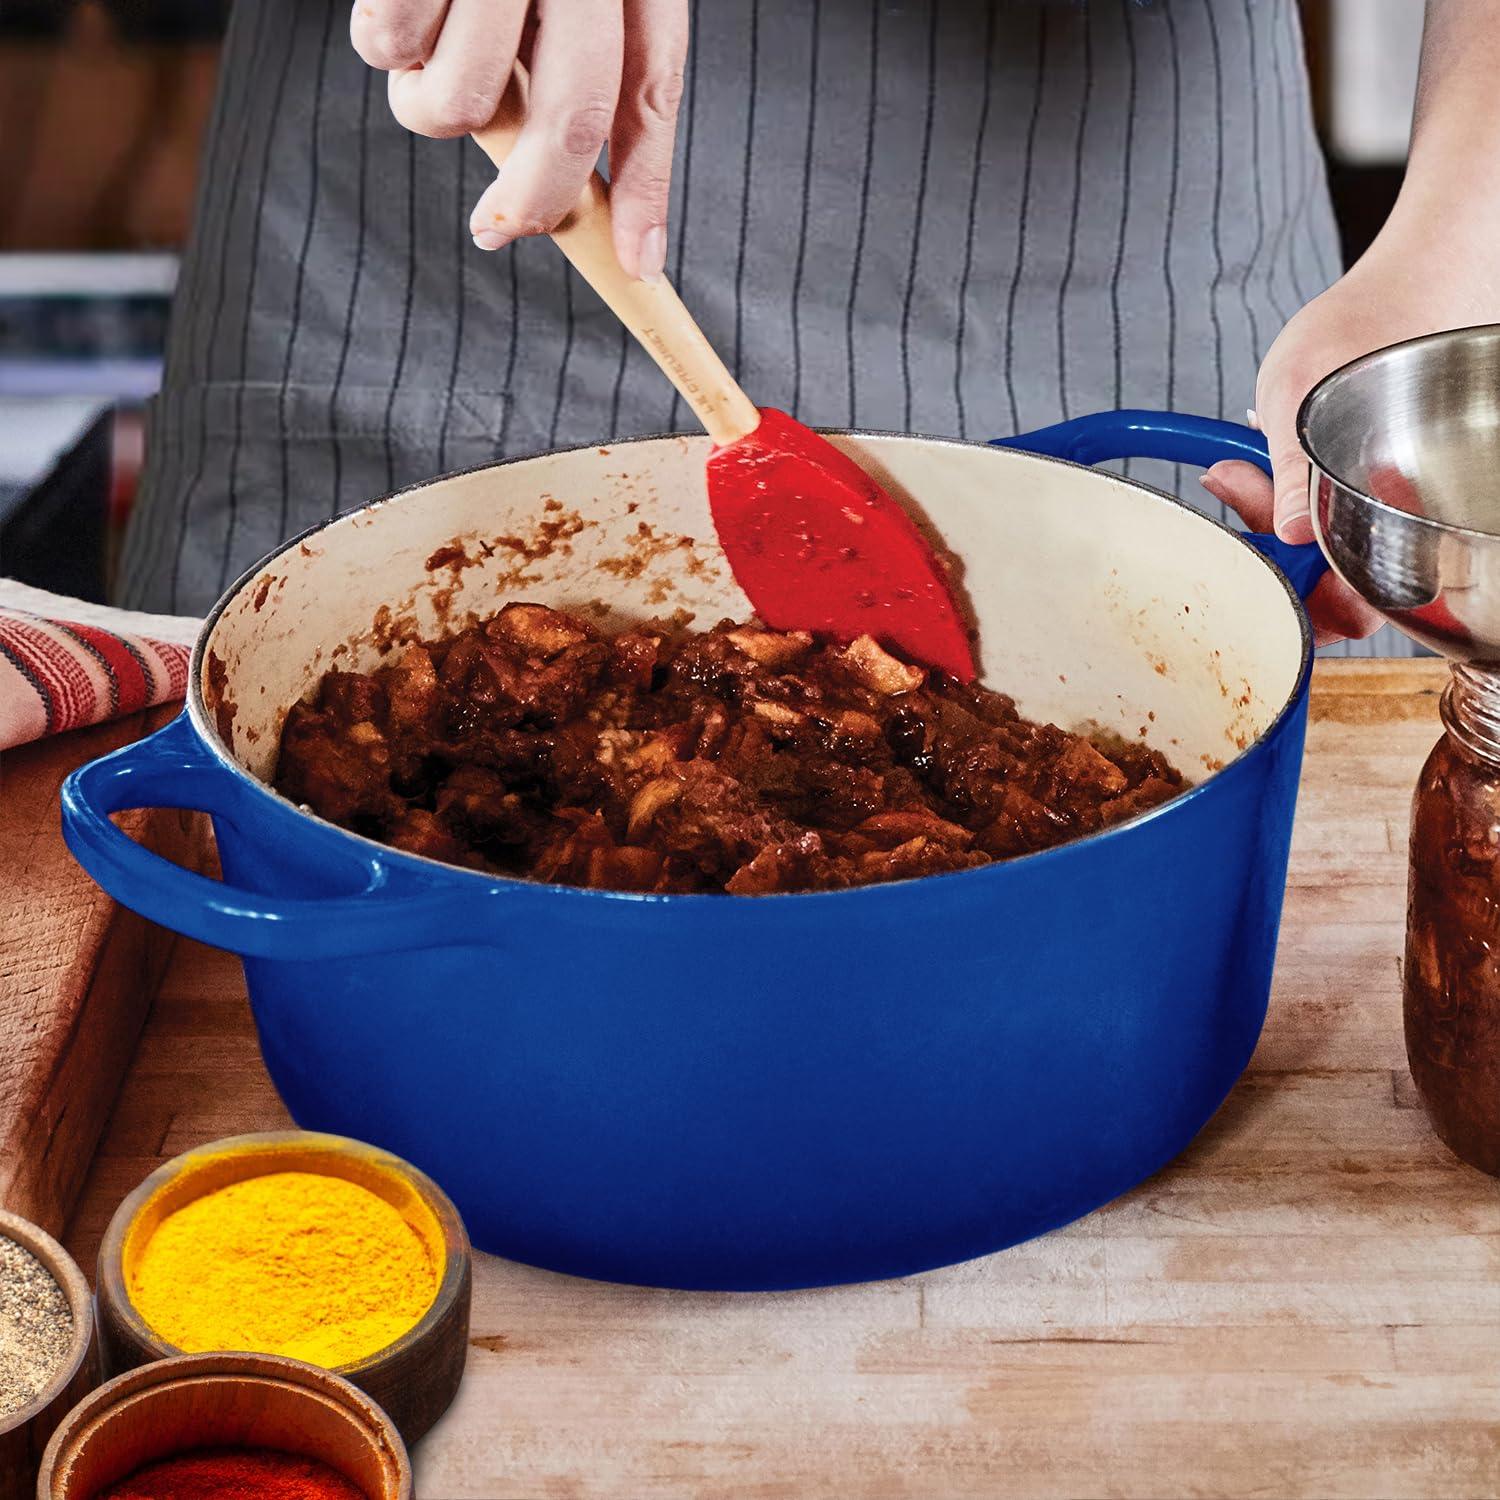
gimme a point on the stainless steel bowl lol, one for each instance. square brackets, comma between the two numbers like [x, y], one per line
[1405, 450]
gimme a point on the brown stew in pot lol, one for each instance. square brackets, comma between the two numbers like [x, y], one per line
[738, 759]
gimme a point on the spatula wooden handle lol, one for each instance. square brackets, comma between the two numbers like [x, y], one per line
[652, 311]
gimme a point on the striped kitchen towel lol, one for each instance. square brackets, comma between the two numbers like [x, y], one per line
[65, 663]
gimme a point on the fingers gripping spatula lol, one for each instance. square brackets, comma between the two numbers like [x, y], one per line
[812, 540]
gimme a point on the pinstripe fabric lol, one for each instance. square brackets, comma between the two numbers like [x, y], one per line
[814, 84]
[941, 216]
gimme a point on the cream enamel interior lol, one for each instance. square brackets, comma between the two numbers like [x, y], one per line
[1097, 602]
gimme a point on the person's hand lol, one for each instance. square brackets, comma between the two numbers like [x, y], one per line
[1411, 282]
[602, 72]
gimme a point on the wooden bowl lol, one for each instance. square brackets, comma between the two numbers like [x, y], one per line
[25, 1433]
[416, 1378]
[223, 1400]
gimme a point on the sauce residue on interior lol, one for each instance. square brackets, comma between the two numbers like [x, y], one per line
[217, 699]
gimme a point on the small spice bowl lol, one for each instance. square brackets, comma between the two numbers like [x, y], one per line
[414, 1378]
[24, 1433]
[224, 1401]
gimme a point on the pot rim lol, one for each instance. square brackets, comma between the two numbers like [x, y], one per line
[422, 864]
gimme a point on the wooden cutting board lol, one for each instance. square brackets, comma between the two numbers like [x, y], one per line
[77, 972]
[1306, 1303]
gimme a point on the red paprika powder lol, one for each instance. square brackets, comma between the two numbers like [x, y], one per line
[235, 1474]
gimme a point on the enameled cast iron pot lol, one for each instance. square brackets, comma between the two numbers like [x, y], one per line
[744, 1093]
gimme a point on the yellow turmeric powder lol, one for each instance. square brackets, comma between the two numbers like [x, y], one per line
[296, 1263]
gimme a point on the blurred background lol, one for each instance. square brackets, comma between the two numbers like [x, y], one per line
[102, 107]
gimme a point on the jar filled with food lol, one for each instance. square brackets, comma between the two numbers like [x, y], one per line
[1452, 975]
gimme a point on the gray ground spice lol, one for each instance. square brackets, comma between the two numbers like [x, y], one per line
[36, 1327]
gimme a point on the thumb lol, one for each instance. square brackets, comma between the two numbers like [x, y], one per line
[1278, 396]
[1244, 489]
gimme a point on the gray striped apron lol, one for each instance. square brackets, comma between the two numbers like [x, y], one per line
[939, 216]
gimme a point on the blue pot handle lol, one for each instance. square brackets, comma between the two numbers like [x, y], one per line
[171, 768]
[1202, 441]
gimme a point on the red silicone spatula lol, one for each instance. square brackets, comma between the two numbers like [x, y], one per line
[813, 541]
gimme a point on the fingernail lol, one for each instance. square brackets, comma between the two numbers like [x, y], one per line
[1212, 485]
[1251, 418]
[490, 239]
[653, 255]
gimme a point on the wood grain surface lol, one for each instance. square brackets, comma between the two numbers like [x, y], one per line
[76, 972]
[1307, 1303]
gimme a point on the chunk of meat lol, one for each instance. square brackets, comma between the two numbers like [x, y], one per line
[341, 771]
[881, 672]
[537, 630]
[772, 648]
[777, 713]
[657, 793]
[635, 656]
[420, 832]
[477, 805]
[891, 829]
[1083, 765]
[352, 697]
[413, 691]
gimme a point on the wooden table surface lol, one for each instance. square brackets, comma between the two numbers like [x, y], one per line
[76, 972]
[1307, 1303]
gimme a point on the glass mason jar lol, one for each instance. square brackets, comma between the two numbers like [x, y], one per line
[1452, 975]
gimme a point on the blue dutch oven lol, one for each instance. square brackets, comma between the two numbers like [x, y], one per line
[769, 1092]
